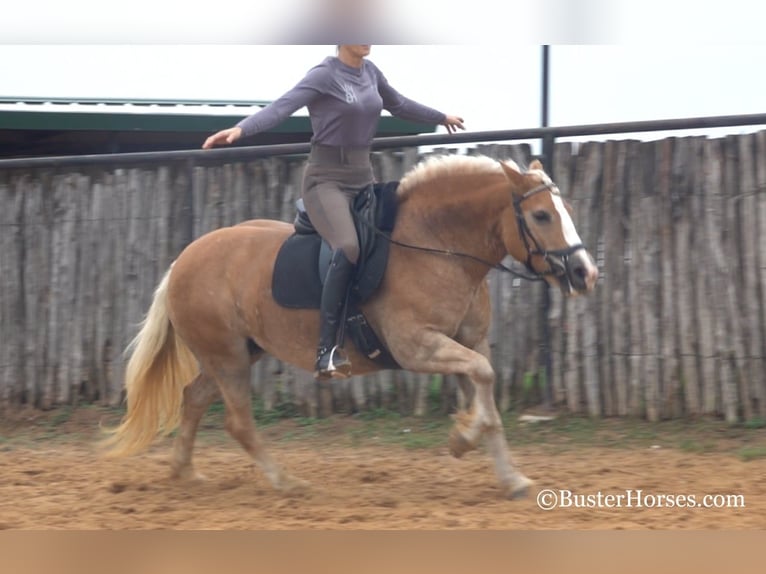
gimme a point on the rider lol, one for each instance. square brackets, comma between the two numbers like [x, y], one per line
[344, 95]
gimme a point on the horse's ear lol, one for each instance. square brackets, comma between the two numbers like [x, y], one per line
[536, 164]
[517, 179]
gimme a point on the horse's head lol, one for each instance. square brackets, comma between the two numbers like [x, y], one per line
[538, 230]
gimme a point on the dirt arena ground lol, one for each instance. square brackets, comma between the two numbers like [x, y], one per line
[380, 473]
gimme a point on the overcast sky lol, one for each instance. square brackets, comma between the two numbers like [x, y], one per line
[610, 61]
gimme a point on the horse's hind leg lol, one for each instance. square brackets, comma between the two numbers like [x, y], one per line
[197, 398]
[234, 383]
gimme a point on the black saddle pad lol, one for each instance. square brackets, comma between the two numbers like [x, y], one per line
[302, 260]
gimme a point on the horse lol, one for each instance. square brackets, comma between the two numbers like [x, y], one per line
[213, 313]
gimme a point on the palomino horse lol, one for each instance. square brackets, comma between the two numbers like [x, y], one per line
[213, 314]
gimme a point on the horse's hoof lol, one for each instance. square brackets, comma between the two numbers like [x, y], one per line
[519, 488]
[292, 486]
[458, 444]
[187, 475]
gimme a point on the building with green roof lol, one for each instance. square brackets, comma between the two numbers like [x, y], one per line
[33, 127]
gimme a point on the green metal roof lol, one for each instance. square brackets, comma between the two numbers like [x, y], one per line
[66, 126]
[153, 115]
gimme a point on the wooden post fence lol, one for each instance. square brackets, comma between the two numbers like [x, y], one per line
[676, 326]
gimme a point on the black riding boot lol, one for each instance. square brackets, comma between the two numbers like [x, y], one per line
[331, 360]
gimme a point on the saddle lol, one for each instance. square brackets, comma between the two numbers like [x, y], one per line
[303, 259]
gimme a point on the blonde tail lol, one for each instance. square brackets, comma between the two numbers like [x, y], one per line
[160, 366]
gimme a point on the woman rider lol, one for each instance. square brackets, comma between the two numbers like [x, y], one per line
[344, 96]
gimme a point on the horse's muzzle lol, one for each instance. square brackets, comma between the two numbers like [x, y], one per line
[575, 272]
[581, 271]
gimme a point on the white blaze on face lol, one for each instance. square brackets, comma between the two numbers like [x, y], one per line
[567, 225]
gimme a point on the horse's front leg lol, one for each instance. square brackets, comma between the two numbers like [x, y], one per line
[437, 353]
[514, 482]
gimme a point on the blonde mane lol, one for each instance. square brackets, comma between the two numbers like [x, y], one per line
[445, 165]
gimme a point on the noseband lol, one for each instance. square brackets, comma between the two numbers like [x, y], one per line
[557, 259]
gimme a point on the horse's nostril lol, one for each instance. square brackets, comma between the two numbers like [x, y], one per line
[580, 272]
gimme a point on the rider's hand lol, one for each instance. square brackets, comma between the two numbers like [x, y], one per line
[453, 123]
[224, 137]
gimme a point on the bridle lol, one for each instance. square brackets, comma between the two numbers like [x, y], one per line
[556, 259]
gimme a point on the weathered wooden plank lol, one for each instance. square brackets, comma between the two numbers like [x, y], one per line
[359, 396]
[102, 263]
[380, 384]
[66, 253]
[213, 211]
[555, 377]
[704, 312]
[306, 392]
[589, 311]
[264, 383]
[494, 336]
[373, 392]
[181, 216]
[618, 310]
[387, 165]
[165, 249]
[420, 394]
[562, 175]
[275, 172]
[637, 351]
[572, 183]
[667, 332]
[122, 330]
[399, 390]
[749, 248]
[201, 182]
[82, 330]
[138, 251]
[684, 155]
[92, 345]
[12, 320]
[292, 188]
[737, 322]
[526, 342]
[649, 265]
[610, 278]
[134, 308]
[760, 165]
[720, 281]
[35, 272]
[506, 352]
[448, 395]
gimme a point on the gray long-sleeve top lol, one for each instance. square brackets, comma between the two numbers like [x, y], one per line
[344, 104]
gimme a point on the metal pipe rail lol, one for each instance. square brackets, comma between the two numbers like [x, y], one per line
[244, 153]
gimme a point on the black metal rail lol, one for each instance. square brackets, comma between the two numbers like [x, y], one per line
[243, 153]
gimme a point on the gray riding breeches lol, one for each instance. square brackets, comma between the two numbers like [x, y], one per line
[332, 179]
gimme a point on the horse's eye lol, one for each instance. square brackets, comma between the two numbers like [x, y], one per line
[541, 216]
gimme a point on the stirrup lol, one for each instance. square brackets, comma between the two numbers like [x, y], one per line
[338, 366]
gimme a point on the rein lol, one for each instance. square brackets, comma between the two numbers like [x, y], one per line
[499, 266]
[526, 236]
